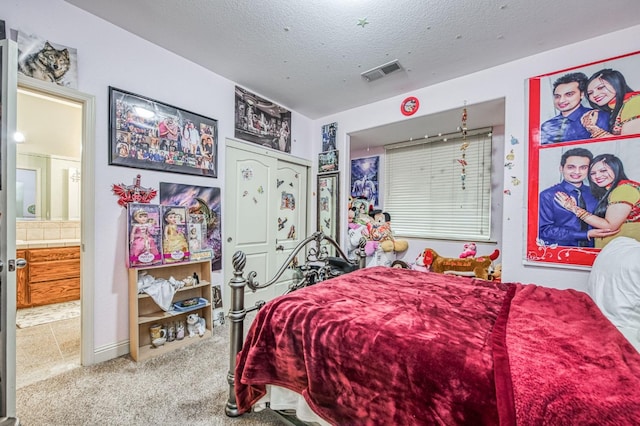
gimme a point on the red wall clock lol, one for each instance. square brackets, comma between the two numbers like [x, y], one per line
[409, 106]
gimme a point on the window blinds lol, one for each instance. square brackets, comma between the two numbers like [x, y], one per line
[423, 188]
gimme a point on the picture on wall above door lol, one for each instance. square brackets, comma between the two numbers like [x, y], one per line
[261, 121]
[47, 61]
[364, 179]
[329, 137]
[199, 200]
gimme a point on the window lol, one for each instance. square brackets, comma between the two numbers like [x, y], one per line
[423, 187]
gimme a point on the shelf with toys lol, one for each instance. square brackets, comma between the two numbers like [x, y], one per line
[170, 294]
[145, 312]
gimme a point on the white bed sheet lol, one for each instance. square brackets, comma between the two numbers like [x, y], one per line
[614, 284]
[280, 398]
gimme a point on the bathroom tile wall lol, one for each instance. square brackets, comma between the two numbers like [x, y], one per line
[34, 232]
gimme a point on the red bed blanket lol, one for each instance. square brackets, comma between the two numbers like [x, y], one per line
[386, 346]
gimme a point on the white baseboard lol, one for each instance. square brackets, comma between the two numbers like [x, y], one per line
[105, 353]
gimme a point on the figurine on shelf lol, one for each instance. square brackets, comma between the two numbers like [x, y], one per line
[195, 325]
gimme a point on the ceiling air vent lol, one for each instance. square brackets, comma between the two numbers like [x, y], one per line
[381, 71]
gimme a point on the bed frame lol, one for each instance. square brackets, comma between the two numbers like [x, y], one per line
[318, 266]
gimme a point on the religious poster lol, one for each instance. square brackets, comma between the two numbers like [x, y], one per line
[261, 121]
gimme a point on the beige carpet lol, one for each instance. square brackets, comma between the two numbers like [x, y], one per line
[185, 387]
[29, 317]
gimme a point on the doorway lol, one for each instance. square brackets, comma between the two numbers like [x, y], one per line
[49, 209]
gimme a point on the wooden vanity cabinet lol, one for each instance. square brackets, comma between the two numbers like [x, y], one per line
[52, 275]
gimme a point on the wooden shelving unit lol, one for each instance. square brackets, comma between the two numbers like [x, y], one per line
[144, 312]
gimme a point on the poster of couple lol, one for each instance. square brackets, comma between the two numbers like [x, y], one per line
[584, 160]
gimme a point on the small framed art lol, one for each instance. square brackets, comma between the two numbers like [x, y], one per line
[328, 161]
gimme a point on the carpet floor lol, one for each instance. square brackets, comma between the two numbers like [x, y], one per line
[185, 387]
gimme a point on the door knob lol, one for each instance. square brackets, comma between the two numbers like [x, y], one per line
[16, 264]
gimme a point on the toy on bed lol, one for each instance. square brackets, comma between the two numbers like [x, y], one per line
[479, 266]
[430, 260]
[376, 228]
[469, 250]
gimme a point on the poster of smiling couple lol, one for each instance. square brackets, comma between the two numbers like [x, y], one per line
[584, 160]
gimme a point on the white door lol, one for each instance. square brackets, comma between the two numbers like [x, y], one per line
[265, 213]
[8, 89]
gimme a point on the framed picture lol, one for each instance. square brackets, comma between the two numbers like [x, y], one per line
[364, 179]
[584, 154]
[260, 121]
[329, 137]
[202, 203]
[328, 161]
[33, 47]
[147, 134]
[328, 205]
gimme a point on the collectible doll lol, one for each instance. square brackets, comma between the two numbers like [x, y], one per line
[174, 240]
[142, 239]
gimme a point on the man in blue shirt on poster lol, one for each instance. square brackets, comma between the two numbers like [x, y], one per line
[557, 225]
[568, 92]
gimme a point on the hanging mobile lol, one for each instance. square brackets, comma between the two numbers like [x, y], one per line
[463, 147]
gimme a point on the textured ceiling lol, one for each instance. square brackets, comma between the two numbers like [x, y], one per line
[308, 55]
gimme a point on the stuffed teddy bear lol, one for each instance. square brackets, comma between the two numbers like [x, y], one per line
[195, 325]
[496, 273]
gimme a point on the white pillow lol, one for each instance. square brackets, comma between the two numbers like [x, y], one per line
[614, 284]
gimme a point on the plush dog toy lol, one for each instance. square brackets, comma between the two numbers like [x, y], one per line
[195, 325]
[479, 266]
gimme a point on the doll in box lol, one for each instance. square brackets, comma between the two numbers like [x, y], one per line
[143, 237]
[174, 241]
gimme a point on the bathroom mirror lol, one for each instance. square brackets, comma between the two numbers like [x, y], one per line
[47, 187]
[28, 202]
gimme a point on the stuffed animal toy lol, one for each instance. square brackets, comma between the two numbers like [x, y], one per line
[478, 266]
[195, 325]
[469, 250]
[380, 235]
[354, 234]
[496, 273]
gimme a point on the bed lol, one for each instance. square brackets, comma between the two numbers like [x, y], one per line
[394, 346]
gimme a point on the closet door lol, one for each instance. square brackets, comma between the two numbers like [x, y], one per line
[265, 213]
